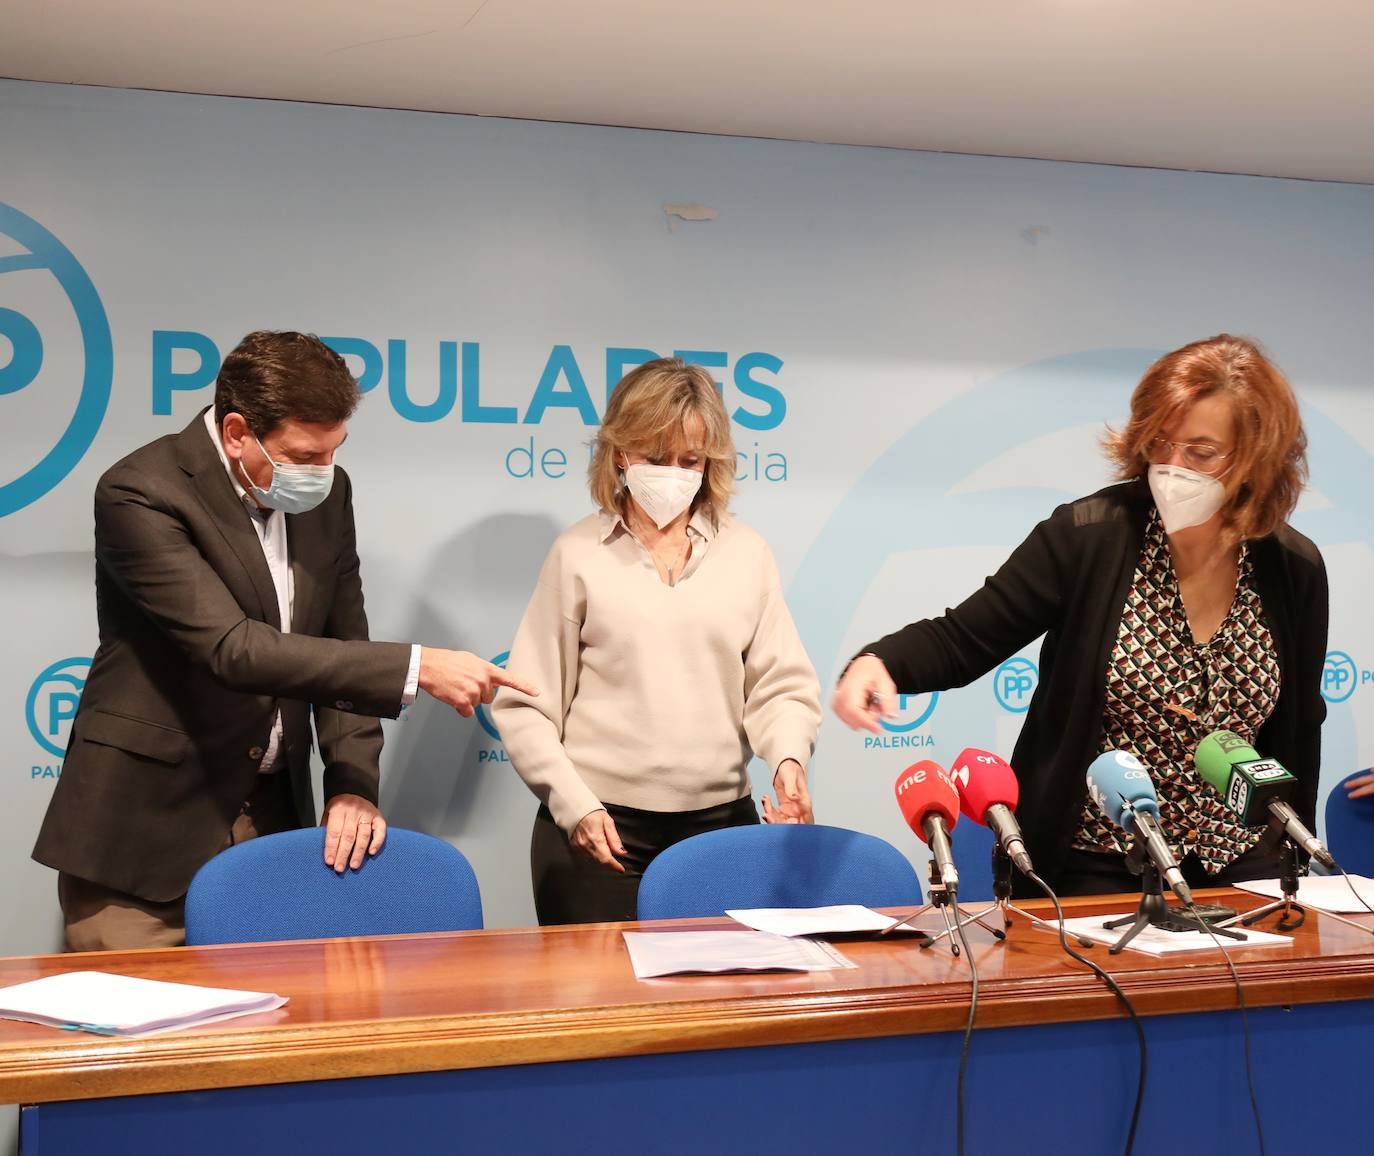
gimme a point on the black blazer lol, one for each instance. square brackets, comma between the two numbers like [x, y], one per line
[1068, 581]
[192, 667]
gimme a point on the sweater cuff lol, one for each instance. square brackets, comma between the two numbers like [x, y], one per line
[571, 807]
[785, 743]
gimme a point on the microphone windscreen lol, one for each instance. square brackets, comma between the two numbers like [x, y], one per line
[923, 789]
[1119, 783]
[1217, 755]
[982, 780]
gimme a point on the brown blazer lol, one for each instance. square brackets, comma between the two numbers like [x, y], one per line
[192, 666]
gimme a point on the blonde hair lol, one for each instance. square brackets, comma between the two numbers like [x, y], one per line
[648, 414]
[1268, 466]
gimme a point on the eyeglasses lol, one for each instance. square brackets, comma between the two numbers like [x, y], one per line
[1201, 456]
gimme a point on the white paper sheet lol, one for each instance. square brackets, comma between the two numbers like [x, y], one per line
[835, 920]
[1323, 892]
[1157, 941]
[122, 1005]
[655, 953]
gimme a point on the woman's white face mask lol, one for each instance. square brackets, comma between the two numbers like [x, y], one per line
[662, 492]
[1184, 497]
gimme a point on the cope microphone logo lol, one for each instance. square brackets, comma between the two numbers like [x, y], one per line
[50, 707]
[58, 345]
[1014, 683]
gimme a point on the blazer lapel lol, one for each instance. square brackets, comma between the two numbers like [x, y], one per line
[200, 459]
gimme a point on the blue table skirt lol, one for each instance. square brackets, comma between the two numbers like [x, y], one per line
[1061, 1089]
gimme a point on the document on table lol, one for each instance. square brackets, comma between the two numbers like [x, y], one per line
[122, 1005]
[1158, 941]
[1324, 892]
[835, 920]
[655, 953]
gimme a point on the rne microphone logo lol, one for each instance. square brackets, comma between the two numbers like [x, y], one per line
[483, 714]
[41, 273]
[1013, 684]
[52, 701]
[1339, 676]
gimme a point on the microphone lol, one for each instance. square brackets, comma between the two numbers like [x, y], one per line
[1256, 789]
[1121, 786]
[930, 806]
[988, 794]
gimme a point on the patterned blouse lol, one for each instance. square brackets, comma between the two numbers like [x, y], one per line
[1166, 691]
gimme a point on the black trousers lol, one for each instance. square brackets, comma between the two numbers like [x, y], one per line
[570, 888]
[1105, 873]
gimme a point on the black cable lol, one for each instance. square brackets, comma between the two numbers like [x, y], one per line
[1354, 890]
[968, 1028]
[1115, 987]
[1244, 1023]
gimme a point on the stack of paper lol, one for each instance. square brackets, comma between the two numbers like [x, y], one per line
[839, 919]
[656, 953]
[1323, 892]
[120, 1005]
[1158, 940]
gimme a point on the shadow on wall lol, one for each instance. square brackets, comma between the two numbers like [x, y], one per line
[445, 774]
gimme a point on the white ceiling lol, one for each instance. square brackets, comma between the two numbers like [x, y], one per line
[1276, 87]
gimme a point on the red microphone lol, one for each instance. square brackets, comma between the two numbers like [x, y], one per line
[988, 794]
[930, 806]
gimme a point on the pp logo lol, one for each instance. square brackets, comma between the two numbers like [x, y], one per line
[48, 280]
[1339, 676]
[913, 710]
[1014, 683]
[52, 701]
[483, 715]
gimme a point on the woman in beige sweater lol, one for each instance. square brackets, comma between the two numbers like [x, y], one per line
[666, 655]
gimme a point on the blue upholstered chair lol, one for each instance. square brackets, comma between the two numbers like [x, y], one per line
[278, 887]
[972, 846]
[775, 865]
[1350, 828]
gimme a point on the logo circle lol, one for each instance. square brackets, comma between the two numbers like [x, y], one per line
[1340, 674]
[46, 727]
[45, 251]
[1013, 684]
[483, 716]
[913, 705]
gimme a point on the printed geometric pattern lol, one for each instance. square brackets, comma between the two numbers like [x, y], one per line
[1165, 692]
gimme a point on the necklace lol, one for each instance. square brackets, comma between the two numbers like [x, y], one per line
[679, 560]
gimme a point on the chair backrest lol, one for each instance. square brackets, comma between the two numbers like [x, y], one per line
[278, 887]
[1350, 828]
[775, 865]
[972, 845]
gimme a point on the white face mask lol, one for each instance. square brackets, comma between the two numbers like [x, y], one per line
[1184, 497]
[662, 492]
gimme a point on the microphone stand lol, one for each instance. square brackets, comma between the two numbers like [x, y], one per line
[1291, 912]
[1001, 896]
[1154, 910]
[943, 900]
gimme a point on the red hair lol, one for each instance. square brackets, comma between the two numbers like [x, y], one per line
[1268, 466]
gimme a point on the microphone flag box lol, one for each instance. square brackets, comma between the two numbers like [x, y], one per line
[1254, 785]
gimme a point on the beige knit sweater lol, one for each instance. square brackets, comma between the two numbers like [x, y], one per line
[655, 696]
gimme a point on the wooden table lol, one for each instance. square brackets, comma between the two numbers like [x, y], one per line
[529, 1040]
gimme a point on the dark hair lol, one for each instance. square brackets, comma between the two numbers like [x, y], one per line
[269, 377]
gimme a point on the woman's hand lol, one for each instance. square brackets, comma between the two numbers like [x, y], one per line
[794, 800]
[596, 837]
[865, 694]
